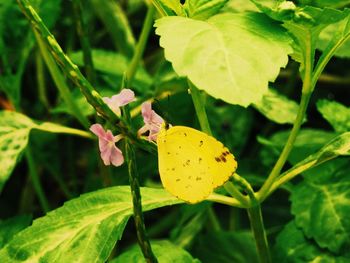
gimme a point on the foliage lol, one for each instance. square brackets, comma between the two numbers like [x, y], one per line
[264, 80]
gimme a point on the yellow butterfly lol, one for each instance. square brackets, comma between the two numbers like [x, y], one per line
[191, 163]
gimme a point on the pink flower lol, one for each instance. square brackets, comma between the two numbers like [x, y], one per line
[115, 102]
[152, 120]
[110, 154]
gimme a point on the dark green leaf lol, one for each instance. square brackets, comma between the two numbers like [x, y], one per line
[164, 250]
[203, 9]
[11, 226]
[85, 229]
[115, 64]
[293, 247]
[238, 247]
[336, 114]
[277, 107]
[14, 133]
[321, 207]
[234, 70]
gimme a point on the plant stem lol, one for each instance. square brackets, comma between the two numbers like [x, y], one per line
[36, 181]
[200, 108]
[142, 237]
[61, 84]
[84, 41]
[40, 76]
[305, 97]
[141, 44]
[257, 226]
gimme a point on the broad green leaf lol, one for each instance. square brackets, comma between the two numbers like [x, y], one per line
[14, 133]
[326, 3]
[277, 107]
[334, 32]
[112, 63]
[203, 9]
[11, 226]
[164, 250]
[169, 7]
[293, 247]
[239, 6]
[241, 52]
[322, 209]
[85, 229]
[226, 247]
[303, 23]
[336, 114]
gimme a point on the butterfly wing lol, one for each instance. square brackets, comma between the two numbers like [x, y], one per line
[188, 163]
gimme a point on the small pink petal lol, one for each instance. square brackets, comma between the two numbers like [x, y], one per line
[124, 97]
[152, 121]
[106, 141]
[98, 130]
[117, 157]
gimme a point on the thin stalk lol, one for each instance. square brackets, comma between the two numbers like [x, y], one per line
[200, 108]
[40, 77]
[305, 97]
[84, 41]
[257, 226]
[142, 236]
[213, 219]
[44, 203]
[226, 200]
[234, 192]
[141, 44]
[61, 84]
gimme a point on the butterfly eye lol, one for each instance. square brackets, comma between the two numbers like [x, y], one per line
[167, 126]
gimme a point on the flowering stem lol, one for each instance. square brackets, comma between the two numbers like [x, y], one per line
[142, 237]
[68, 67]
[72, 71]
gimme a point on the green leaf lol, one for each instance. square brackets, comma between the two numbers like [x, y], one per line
[11, 226]
[321, 209]
[14, 133]
[240, 6]
[115, 64]
[326, 3]
[336, 114]
[164, 250]
[85, 229]
[303, 23]
[293, 247]
[241, 52]
[277, 107]
[332, 34]
[203, 9]
[169, 7]
[226, 247]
